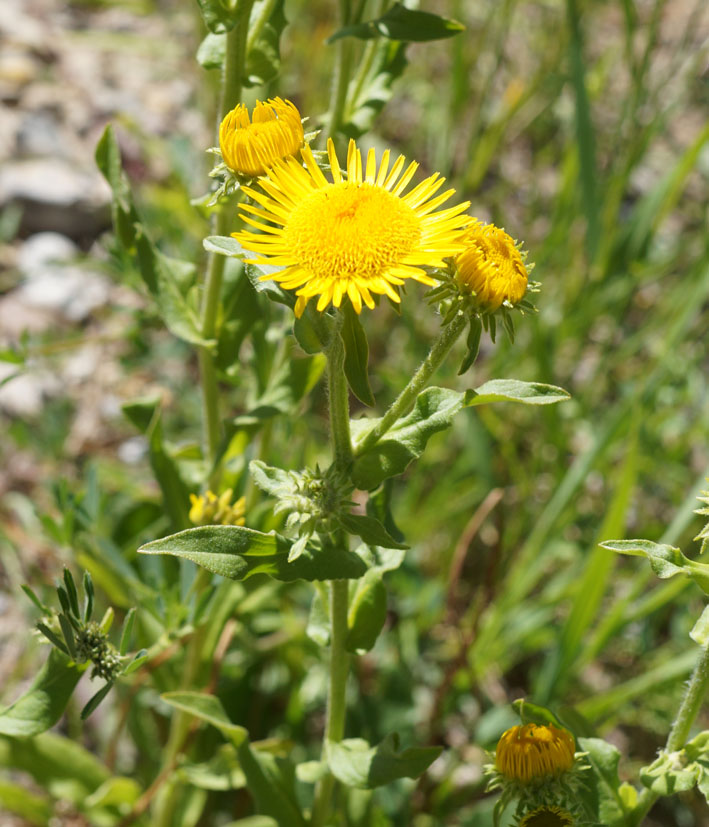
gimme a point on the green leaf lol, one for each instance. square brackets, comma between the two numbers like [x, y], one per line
[73, 594]
[146, 415]
[289, 384]
[241, 310]
[356, 355]
[263, 61]
[370, 530]
[207, 708]
[44, 702]
[95, 700]
[268, 287]
[367, 613]
[238, 552]
[17, 800]
[118, 792]
[400, 23]
[434, 411]
[218, 15]
[163, 276]
[700, 630]
[212, 51]
[513, 390]
[356, 764]
[472, 345]
[604, 758]
[59, 765]
[375, 90]
[318, 628]
[267, 781]
[665, 561]
[221, 772]
[272, 480]
[127, 632]
[224, 245]
[671, 773]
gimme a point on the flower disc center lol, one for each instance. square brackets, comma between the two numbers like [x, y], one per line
[351, 230]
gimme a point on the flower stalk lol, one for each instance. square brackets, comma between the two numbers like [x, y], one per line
[338, 397]
[234, 62]
[404, 401]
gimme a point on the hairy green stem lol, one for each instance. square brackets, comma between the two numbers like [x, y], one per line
[441, 347]
[234, 62]
[688, 711]
[341, 75]
[338, 395]
[233, 70]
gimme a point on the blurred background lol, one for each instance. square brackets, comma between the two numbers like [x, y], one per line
[580, 127]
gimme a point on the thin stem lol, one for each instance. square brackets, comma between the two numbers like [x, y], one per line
[419, 380]
[338, 396]
[688, 711]
[234, 62]
[341, 75]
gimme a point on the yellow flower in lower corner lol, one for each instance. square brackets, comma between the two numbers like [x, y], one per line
[251, 144]
[548, 816]
[492, 266]
[210, 509]
[353, 236]
[534, 751]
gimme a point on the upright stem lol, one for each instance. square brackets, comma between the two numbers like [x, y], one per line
[339, 599]
[341, 75]
[234, 62]
[233, 71]
[688, 711]
[419, 380]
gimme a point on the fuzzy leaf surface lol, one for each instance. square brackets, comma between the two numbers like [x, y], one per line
[237, 552]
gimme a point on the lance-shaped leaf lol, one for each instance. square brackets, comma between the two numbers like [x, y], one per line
[238, 552]
[367, 613]
[514, 390]
[370, 530]
[400, 23]
[356, 356]
[44, 702]
[164, 277]
[665, 561]
[270, 784]
[263, 60]
[603, 794]
[356, 764]
[434, 411]
[224, 245]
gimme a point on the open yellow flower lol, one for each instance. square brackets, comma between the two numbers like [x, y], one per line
[251, 144]
[492, 266]
[534, 751]
[354, 236]
[548, 816]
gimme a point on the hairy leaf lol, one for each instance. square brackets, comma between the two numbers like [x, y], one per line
[238, 552]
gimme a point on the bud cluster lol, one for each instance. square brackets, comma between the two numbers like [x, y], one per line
[312, 499]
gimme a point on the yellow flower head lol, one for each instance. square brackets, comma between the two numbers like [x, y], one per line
[208, 509]
[250, 145]
[548, 816]
[353, 236]
[491, 266]
[534, 751]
